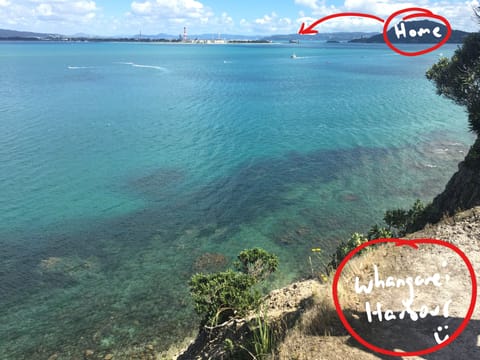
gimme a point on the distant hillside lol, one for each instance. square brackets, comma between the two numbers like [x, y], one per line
[456, 37]
[12, 34]
[26, 35]
[335, 36]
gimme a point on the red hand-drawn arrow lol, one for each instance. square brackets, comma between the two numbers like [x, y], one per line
[310, 29]
[417, 12]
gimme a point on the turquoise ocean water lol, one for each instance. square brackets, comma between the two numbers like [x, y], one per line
[126, 168]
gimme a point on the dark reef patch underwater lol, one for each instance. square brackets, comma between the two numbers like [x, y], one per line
[124, 281]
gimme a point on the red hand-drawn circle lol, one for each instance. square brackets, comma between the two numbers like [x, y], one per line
[418, 12]
[414, 244]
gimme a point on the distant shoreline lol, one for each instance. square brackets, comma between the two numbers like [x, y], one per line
[133, 40]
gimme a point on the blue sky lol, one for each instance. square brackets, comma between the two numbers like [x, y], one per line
[262, 17]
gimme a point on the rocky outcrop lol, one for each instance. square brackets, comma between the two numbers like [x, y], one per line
[230, 340]
[305, 321]
[462, 191]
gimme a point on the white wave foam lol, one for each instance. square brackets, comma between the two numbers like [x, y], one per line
[150, 67]
[161, 68]
[79, 67]
[454, 144]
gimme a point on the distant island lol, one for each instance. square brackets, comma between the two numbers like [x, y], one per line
[426, 38]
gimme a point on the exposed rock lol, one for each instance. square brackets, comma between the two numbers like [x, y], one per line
[462, 191]
[283, 308]
[89, 353]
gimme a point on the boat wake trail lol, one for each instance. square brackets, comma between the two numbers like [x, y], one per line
[79, 67]
[161, 68]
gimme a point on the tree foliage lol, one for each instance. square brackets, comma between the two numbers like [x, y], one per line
[356, 239]
[257, 263]
[377, 232]
[458, 78]
[403, 220]
[221, 296]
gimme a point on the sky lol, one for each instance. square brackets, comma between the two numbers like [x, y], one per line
[249, 17]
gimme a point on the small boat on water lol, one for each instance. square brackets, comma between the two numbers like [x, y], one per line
[292, 41]
[293, 56]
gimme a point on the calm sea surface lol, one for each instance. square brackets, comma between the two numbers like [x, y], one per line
[126, 168]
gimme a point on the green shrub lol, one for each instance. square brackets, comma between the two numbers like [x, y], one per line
[403, 220]
[257, 263]
[377, 232]
[221, 296]
[396, 218]
[344, 248]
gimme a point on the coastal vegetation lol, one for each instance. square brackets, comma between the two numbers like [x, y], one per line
[401, 221]
[458, 79]
[221, 296]
[225, 297]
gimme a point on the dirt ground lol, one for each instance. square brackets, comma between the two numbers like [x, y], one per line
[449, 293]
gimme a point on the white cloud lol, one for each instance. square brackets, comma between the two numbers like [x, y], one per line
[265, 20]
[267, 24]
[458, 13]
[84, 6]
[319, 8]
[65, 11]
[47, 15]
[171, 15]
[171, 9]
[313, 4]
[226, 19]
[144, 8]
[44, 10]
[382, 8]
